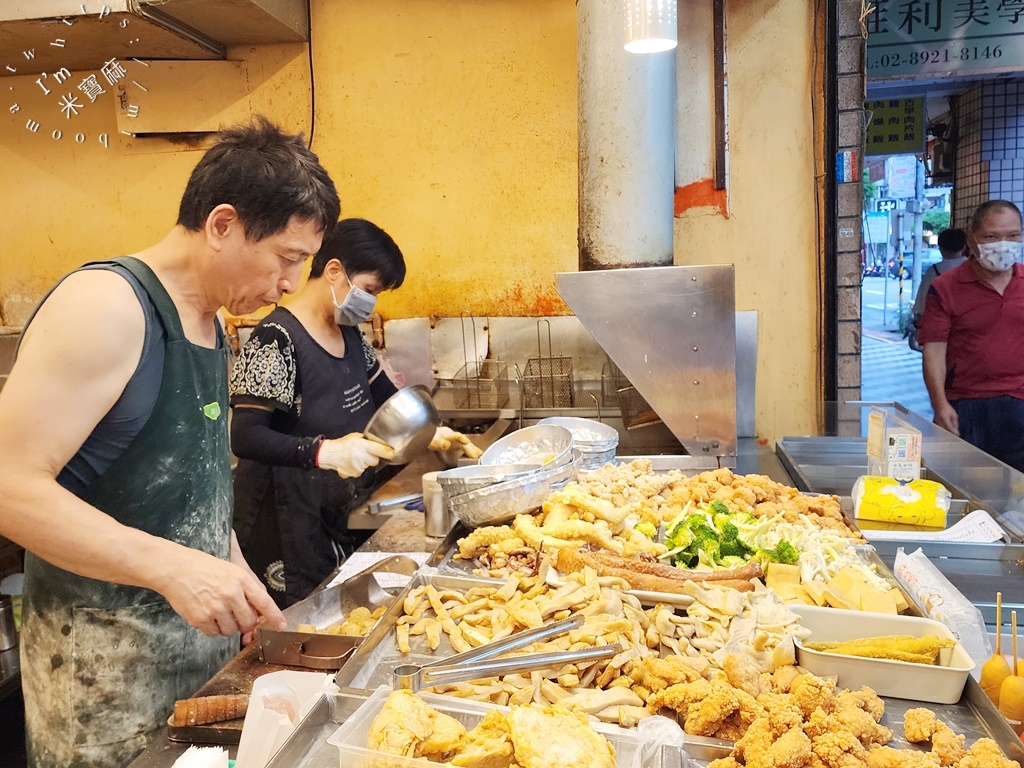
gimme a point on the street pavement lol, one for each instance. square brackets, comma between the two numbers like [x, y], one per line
[890, 369]
[891, 372]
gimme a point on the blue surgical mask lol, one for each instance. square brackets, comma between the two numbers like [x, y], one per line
[355, 308]
[999, 256]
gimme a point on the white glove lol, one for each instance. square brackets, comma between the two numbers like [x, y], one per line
[445, 439]
[352, 454]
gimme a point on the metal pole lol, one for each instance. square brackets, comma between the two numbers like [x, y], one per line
[918, 228]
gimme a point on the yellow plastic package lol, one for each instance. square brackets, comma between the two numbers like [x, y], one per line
[917, 502]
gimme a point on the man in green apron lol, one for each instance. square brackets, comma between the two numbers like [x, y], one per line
[114, 463]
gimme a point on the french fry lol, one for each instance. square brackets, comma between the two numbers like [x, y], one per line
[402, 633]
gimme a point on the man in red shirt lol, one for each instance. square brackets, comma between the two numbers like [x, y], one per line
[973, 340]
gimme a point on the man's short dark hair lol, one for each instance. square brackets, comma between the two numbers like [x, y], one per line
[952, 241]
[268, 175]
[991, 206]
[361, 247]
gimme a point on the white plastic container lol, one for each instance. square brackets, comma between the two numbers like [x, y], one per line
[350, 738]
[941, 684]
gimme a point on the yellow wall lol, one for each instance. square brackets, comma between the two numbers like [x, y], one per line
[453, 124]
[770, 234]
[66, 203]
[450, 123]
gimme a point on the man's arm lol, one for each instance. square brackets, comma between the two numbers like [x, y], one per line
[934, 369]
[74, 362]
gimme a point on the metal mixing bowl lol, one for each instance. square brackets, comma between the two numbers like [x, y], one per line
[532, 445]
[407, 422]
[472, 478]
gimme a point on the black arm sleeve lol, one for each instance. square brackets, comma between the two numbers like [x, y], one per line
[252, 437]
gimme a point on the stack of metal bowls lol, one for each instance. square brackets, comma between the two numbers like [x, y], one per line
[596, 442]
[510, 488]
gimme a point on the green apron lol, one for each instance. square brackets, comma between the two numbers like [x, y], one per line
[102, 663]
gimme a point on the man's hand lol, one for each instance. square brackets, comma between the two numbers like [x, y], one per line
[947, 418]
[218, 597]
[445, 438]
[352, 454]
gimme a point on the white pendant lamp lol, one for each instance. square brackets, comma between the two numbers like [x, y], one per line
[650, 25]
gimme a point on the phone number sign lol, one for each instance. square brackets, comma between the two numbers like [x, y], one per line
[944, 37]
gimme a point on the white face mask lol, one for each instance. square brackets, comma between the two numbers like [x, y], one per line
[355, 308]
[999, 256]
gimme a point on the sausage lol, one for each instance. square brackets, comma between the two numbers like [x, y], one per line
[203, 710]
[667, 578]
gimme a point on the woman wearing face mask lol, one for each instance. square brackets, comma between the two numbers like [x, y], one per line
[304, 387]
[971, 332]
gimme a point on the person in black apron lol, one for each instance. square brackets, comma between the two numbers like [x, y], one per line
[304, 387]
[114, 464]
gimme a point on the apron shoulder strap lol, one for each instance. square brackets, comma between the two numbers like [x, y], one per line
[157, 293]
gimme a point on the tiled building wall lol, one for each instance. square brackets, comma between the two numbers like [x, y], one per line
[990, 152]
[850, 198]
[970, 186]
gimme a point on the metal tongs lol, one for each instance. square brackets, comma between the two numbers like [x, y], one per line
[459, 668]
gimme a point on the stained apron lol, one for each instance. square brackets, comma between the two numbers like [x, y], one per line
[102, 663]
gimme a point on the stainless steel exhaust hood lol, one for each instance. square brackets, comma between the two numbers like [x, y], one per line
[672, 332]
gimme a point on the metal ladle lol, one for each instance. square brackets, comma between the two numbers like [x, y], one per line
[457, 668]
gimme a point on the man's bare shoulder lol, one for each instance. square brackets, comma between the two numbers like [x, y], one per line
[92, 318]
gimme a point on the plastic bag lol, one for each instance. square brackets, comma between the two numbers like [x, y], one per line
[655, 732]
[917, 502]
[943, 602]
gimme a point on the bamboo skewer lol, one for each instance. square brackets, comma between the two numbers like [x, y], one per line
[996, 670]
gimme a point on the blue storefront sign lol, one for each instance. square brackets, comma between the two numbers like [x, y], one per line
[909, 38]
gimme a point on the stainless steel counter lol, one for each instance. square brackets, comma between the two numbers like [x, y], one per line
[400, 532]
[831, 464]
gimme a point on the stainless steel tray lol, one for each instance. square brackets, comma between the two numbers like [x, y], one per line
[307, 746]
[373, 662]
[324, 608]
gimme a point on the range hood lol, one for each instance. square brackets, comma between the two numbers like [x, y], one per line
[48, 35]
[672, 333]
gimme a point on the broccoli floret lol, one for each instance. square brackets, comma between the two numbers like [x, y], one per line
[647, 528]
[717, 507]
[732, 561]
[784, 552]
[749, 529]
[679, 536]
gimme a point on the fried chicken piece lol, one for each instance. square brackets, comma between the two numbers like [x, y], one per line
[550, 737]
[947, 745]
[865, 698]
[782, 711]
[706, 716]
[656, 674]
[985, 753]
[838, 748]
[748, 711]
[862, 725]
[725, 762]
[791, 750]
[742, 672]
[755, 741]
[406, 726]
[919, 724]
[887, 757]
[813, 692]
[488, 745]
[679, 697]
